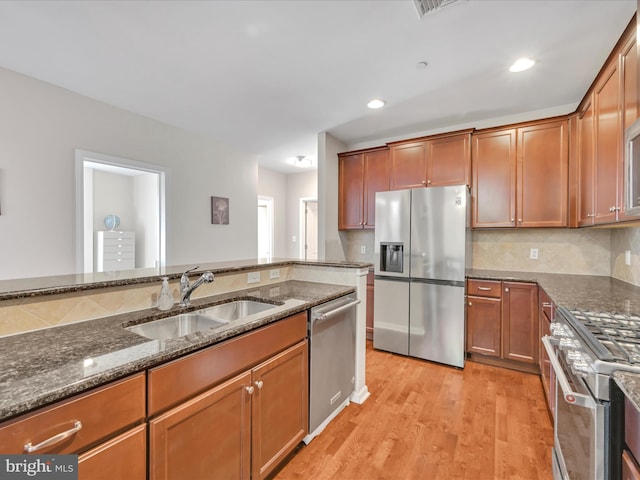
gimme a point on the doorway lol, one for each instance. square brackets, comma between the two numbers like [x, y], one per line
[265, 227]
[133, 191]
[309, 229]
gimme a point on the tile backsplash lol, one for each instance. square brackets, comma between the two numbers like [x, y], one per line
[583, 251]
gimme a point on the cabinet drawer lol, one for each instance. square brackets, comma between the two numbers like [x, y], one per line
[181, 379]
[100, 412]
[119, 247]
[484, 288]
[122, 457]
[117, 235]
[118, 264]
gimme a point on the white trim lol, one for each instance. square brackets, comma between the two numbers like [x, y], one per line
[84, 245]
[268, 203]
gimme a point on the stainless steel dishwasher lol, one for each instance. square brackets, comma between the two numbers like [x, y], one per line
[332, 360]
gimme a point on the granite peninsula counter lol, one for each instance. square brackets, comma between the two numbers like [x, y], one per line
[43, 366]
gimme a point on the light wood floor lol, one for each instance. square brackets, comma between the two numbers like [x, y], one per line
[427, 421]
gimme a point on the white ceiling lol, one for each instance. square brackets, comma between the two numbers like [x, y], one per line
[267, 76]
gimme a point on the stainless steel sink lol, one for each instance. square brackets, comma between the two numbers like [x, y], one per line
[235, 310]
[178, 326]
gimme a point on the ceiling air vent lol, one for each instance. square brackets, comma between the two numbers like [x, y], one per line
[427, 6]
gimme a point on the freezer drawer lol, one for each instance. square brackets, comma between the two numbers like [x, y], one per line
[391, 315]
[437, 323]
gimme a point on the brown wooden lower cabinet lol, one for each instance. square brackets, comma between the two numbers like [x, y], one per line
[483, 325]
[206, 437]
[502, 323]
[240, 429]
[370, 303]
[630, 468]
[122, 457]
[520, 322]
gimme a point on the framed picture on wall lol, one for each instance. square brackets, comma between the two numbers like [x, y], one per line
[219, 211]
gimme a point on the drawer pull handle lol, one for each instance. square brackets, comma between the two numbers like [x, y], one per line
[485, 289]
[259, 384]
[546, 304]
[29, 448]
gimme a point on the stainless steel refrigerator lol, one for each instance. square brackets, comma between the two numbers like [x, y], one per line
[422, 249]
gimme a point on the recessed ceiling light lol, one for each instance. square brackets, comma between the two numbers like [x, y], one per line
[521, 64]
[376, 103]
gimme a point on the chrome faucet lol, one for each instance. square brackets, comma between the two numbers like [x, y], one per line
[186, 290]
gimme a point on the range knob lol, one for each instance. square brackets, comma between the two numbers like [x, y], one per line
[580, 368]
[567, 343]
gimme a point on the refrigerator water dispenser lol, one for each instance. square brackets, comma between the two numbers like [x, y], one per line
[391, 254]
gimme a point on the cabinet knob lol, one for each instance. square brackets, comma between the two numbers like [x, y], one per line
[424, 182]
[513, 220]
[506, 290]
[470, 304]
[428, 182]
[519, 220]
[249, 390]
[259, 384]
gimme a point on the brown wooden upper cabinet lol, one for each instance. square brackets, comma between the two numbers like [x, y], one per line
[520, 176]
[607, 109]
[361, 174]
[431, 161]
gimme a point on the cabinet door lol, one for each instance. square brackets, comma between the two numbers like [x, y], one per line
[483, 325]
[520, 322]
[629, 67]
[545, 314]
[280, 408]
[542, 175]
[494, 178]
[350, 192]
[449, 160]
[122, 457]
[408, 165]
[608, 144]
[376, 179]
[630, 469]
[206, 437]
[586, 165]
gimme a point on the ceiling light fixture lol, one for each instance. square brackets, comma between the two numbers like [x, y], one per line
[302, 161]
[521, 64]
[376, 103]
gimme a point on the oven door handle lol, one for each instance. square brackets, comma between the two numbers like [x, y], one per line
[571, 397]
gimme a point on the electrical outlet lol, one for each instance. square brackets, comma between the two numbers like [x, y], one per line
[274, 292]
[627, 257]
[274, 274]
[253, 277]
[363, 249]
[533, 254]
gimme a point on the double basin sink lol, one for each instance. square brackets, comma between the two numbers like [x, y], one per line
[200, 320]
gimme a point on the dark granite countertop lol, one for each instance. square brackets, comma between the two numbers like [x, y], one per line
[629, 383]
[31, 287]
[44, 366]
[578, 292]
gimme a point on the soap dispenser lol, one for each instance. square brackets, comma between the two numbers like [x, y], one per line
[165, 299]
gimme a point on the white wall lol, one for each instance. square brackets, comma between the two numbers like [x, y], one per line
[329, 245]
[274, 184]
[40, 127]
[113, 194]
[299, 186]
[146, 200]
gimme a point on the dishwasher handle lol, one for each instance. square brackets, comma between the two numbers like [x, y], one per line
[332, 313]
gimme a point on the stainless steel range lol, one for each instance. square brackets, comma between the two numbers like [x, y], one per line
[585, 348]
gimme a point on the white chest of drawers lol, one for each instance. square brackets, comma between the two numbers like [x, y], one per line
[115, 250]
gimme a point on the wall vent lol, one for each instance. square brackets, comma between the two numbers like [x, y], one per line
[427, 6]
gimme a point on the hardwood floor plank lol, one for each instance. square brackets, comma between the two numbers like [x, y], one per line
[429, 421]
